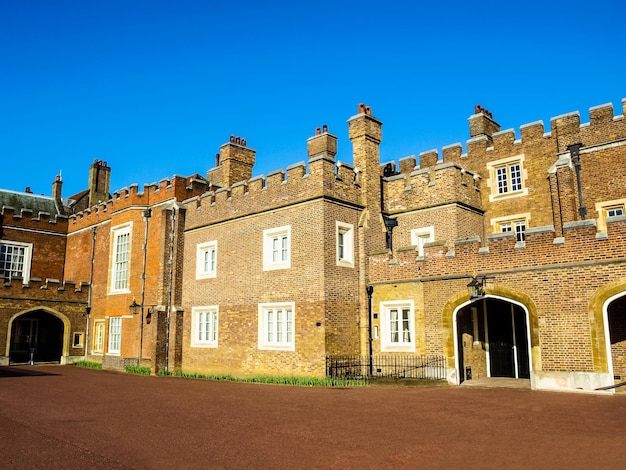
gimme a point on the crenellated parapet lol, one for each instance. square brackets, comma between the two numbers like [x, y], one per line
[428, 186]
[488, 142]
[176, 188]
[298, 183]
[52, 290]
[502, 253]
[27, 218]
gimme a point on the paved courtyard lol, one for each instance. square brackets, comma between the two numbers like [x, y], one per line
[70, 418]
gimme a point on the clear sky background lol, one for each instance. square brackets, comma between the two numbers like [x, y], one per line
[156, 87]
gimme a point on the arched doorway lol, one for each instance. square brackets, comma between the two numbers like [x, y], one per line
[493, 339]
[38, 333]
[616, 325]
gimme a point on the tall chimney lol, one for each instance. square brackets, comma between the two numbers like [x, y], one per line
[99, 182]
[56, 188]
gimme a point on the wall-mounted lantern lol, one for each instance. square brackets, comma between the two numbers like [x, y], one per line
[476, 287]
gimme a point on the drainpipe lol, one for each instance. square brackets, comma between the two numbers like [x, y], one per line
[574, 150]
[146, 217]
[169, 289]
[370, 291]
[88, 308]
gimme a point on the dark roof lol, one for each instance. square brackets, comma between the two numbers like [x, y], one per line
[19, 201]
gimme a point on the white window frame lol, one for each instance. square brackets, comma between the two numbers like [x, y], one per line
[514, 226]
[98, 337]
[344, 236]
[512, 185]
[122, 265]
[405, 342]
[277, 326]
[204, 326]
[421, 236]
[26, 255]
[115, 336]
[202, 251]
[603, 209]
[277, 248]
[509, 223]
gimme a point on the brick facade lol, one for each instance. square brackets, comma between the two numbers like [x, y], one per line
[538, 218]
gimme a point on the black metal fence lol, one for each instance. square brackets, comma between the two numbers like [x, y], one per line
[395, 366]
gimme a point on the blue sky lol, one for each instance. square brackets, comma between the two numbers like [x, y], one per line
[156, 87]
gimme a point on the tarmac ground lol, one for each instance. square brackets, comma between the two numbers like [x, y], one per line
[65, 417]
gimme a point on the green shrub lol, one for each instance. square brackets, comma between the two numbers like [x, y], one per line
[89, 364]
[139, 370]
[298, 381]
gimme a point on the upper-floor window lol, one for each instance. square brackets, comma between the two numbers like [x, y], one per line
[120, 260]
[506, 177]
[277, 248]
[15, 260]
[608, 209]
[115, 335]
[509, 178]
[345, 244]
[206, 260]
[517, 226]
[276, 326]
[397, 326]
[421, 236]
[516, 223]
[204, 326]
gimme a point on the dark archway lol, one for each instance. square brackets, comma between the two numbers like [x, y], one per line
[616, 312]
[38, 333]
[492, 336]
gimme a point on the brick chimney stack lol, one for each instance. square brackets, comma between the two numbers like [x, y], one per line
[234, 163]
[322, 144]
[482, 123]
[56, 188]
[99, 182]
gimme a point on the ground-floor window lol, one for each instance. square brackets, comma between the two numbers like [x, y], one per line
[397, 326]
[204, 326]
[276, 326]
[98, 337]
[115, 335]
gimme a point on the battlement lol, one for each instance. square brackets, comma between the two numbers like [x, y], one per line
[26, 218]
[322, 178]
[178, 188]
[487, 141]
[500, 252]
[48, 289]
[441, 183]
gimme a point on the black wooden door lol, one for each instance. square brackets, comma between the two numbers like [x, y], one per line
[500, 328]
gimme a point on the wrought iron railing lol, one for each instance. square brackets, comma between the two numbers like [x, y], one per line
[394, 366]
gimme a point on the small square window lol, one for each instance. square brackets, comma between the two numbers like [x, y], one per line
[421, 236]
[77, 340]
[206, 260]
[608, 209]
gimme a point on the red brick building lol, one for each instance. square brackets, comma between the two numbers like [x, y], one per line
[505, 256]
